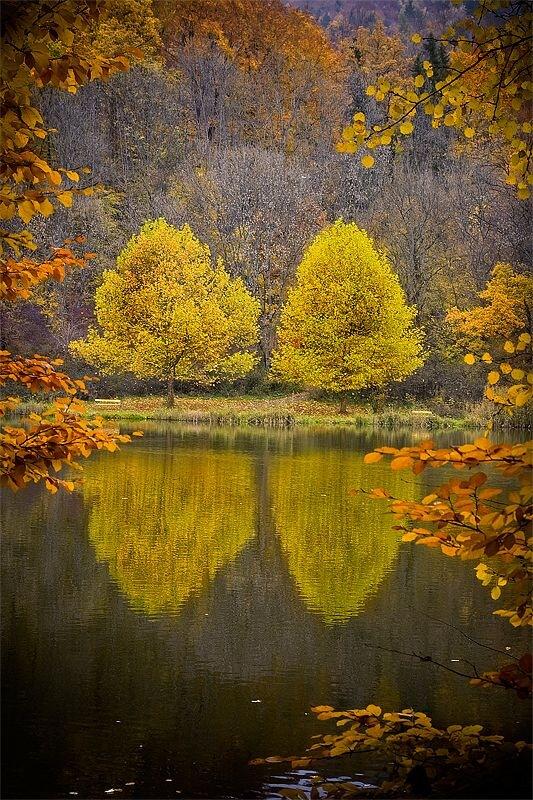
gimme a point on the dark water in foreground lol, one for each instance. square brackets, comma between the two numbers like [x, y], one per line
[198, 572]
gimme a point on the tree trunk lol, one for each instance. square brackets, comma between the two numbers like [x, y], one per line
[343, 409]
[170, 391]
[379, 400]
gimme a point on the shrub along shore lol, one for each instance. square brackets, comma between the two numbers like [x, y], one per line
[276, 412]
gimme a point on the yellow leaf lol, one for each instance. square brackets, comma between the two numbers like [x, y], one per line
[31, 116]
[26, 211]
[508, 347]
[406, 127]
[522, 398]
[470, 358]
[419, 81]
[493, 377]
[340, 147]
[375, 710]
[372, 458]
[65, 198]
[416, 38]
[496, 592]
[472, 729]
[72, 175]
[469, 133]
[46, 208]
[368, 161]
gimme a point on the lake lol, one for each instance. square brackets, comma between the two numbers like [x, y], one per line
[179, 613]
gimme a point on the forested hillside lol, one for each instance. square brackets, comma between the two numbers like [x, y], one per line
[230, 122]
[404, 15]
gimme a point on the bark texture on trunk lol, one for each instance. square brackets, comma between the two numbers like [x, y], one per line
[343, 408]
[170, 392]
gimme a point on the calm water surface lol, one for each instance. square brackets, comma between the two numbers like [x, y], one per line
[200, 571]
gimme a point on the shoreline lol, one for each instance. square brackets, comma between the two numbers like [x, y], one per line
[269, 412]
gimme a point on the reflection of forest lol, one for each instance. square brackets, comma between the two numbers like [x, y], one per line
[76, 657]
[176, 517]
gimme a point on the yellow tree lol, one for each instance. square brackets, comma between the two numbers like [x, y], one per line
[41, 46]
[346, 325]
[506, 311]
[167, 312]
[376, 53]
[128, 23]
[485, 96]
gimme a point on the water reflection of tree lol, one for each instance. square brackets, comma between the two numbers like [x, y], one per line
[338, 547]
[169, 520]
[172, 518]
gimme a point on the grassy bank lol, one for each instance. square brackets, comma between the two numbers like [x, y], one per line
[283, 411]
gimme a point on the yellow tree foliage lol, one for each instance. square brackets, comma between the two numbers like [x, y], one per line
[506, 310]
[510, 380]
[346, 325]
[127, 24]
[377, 53]
[248, 30]
[168, 313]
[40, 48]
[485, 96]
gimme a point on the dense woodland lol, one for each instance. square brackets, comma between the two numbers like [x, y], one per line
[230, 123]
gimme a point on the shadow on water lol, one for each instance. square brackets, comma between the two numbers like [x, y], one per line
[180, 612]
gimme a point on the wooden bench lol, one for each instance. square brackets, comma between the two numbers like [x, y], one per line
[104, 401]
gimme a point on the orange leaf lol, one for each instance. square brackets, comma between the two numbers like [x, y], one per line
[402, 462]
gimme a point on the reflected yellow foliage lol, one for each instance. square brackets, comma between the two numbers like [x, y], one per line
[338, 548]
[166, 521]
